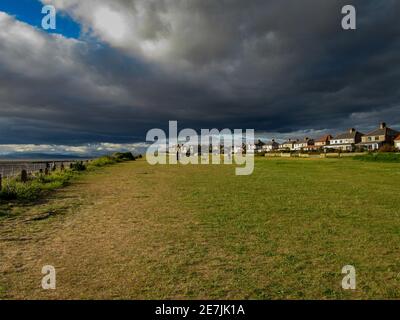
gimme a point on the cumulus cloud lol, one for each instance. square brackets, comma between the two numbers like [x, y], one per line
[276, 66]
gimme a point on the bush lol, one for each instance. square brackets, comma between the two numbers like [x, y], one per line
[14, 189]
[22, 191]
[103, 161]
[77, 166]
[124, 156]
[387, 148]
[114, 158]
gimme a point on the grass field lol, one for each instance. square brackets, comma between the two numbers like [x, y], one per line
[136, 231]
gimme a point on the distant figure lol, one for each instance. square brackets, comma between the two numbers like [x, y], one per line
[178, 150]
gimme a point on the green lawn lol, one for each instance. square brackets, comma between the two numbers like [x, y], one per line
[138, 231]
[287, 230]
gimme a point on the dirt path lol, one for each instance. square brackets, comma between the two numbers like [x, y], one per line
[105, 235]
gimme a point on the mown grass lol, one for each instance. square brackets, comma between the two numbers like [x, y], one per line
[287, 230]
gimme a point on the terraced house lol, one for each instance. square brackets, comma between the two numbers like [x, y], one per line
[346, 141]
[288, 145]
[323, 141]
[303, 144]
[349, 141]
[271, 146]
[379, 137]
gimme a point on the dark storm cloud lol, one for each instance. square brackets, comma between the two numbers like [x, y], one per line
[276, 66]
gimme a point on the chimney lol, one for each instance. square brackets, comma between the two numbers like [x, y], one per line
[383, 125]
[352, 130]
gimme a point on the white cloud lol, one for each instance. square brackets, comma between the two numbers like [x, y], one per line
[111, 24]
[81, 150]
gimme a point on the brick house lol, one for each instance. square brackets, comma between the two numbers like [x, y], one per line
[323, 141]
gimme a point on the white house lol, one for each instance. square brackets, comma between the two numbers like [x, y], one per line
[345, 141]
[271, 146]
[303, 144]
[259, 146]
[288, 145]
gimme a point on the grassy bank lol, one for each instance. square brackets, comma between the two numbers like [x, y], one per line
[38, 184]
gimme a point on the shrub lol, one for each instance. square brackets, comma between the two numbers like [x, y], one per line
[114, 158]
[77, 166]
[33, 189]
[387, 148]
[14, 190]
[124, 156]
[103, 161]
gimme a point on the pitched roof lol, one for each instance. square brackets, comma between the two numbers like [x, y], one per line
[324, 138]
[348, 135]
[259, 143]
[383, 132]
[397, 138]
[291, 141]
[304, 140]
[271, 143]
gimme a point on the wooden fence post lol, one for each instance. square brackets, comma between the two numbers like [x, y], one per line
[24, 176]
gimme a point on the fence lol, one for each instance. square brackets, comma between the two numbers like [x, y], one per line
[9, 169]
[322, 155]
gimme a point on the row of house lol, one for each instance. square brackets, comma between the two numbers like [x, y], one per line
[347, 141]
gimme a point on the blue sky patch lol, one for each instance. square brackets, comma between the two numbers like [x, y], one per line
[30, 11]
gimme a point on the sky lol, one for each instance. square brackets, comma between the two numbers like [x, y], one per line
[112, 70]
